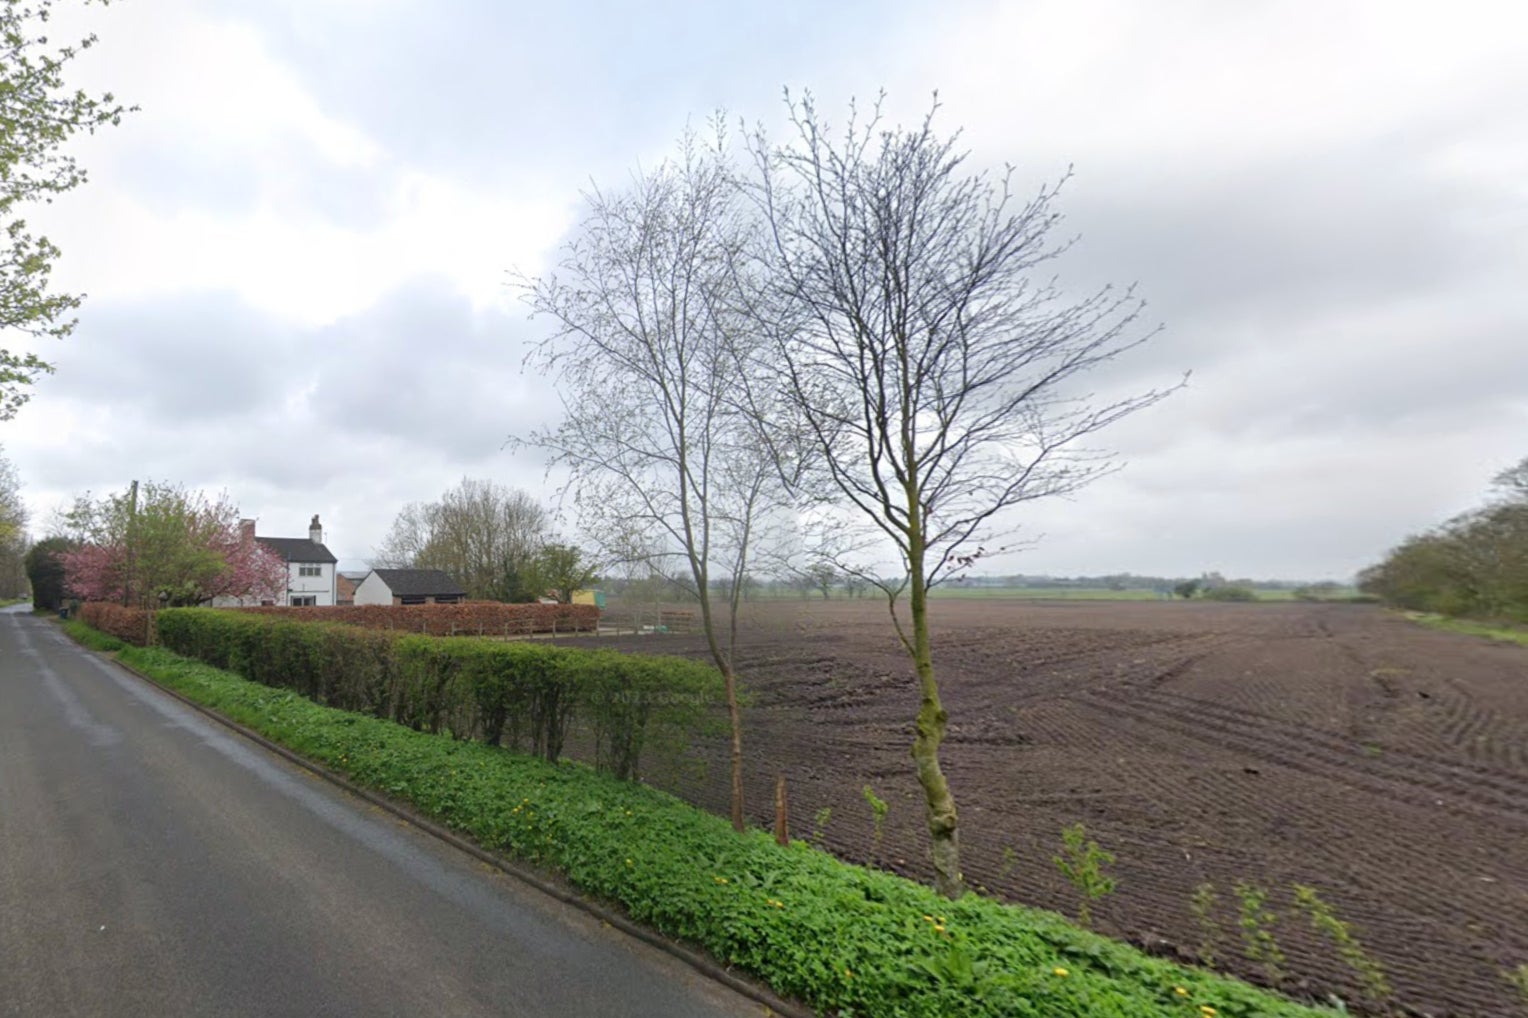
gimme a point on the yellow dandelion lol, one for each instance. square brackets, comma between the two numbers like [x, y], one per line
[928, 918]
[1207, 1011]
[1180, 991]
[1061, 972]
[848, 974]
[938, 928]
[720, 880]
[628, 862]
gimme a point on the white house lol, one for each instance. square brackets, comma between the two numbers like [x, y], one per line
[311, 567]
[409, 586]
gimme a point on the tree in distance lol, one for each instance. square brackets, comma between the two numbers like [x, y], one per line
[13, 536]
[482, 534]
[45, 572]
[160, 544]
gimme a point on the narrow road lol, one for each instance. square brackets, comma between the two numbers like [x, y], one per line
[154, 863]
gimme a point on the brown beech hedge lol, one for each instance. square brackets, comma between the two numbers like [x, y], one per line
[472, 618]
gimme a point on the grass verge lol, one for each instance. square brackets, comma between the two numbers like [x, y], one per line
[1504, 632]
[846, 940]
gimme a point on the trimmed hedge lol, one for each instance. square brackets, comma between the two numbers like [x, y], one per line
[131, 625]
[846, 940]
[518, 693]
[472, 618]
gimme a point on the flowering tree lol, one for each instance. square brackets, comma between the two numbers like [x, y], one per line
[164, 545]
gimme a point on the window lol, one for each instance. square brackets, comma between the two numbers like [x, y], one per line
[412, 599]
[310, 570]
[304, 601]
[448, 599]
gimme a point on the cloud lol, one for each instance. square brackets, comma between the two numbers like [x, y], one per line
[296, 252]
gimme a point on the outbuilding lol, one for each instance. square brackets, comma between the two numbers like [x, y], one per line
[409, 586]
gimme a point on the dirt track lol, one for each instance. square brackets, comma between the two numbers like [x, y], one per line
[1330, 745]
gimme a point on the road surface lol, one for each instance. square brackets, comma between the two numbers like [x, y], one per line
[154, 863]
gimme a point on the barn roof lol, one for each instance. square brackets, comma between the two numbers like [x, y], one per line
[420, 582]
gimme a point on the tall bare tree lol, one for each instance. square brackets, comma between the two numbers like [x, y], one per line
[934, 371]
[485, 535]
[651, 354]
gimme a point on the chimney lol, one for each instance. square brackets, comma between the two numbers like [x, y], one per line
[315, 532]
[246, 530]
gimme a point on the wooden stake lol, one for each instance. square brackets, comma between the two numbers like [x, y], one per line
[782, 828]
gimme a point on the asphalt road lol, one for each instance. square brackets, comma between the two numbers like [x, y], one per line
[155, 863]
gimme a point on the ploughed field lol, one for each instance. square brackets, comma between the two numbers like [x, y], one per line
[1332, 745]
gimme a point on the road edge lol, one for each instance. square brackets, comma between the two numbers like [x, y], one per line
[701, 963]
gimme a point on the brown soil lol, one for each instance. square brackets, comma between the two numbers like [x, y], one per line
[1332, 745]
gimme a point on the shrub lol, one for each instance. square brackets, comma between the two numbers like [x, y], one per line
[519, 693]
[471, 618]
[1230, 593]
[1083, 864]
[130, 625]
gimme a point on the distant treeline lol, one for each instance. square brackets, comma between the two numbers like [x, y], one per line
[1132, 581]
[1475, 564]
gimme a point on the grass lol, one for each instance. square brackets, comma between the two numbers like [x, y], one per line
[1503, 631]
[6, 602]
[844, 939]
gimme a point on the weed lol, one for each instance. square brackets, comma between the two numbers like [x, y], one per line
[878, 810]
[1518, 977]
[1323, 920]
[1010, 862]
[1082, 862]
[1203, 904]
[820, 823]
[1257, 924]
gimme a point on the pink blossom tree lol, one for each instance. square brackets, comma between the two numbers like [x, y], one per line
[164, 545]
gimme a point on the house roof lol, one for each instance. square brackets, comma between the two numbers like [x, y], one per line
[298, 549]
[419, 582]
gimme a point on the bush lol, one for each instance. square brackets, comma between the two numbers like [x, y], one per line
[1230, 594]
[472, 618]
[517, 693]
[130, 625]
[841, 938]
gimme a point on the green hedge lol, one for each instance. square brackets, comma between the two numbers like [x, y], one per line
[524, 694]
[846, 940]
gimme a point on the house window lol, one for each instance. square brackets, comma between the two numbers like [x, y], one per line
[310, 570]
[447, 599]
[412, 599]
[304, 601]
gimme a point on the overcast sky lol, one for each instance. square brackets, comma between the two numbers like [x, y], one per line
[296, 253]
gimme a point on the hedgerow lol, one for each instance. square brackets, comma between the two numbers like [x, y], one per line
[846, 940]
[131, 625]
[470, 618]
[516, 693]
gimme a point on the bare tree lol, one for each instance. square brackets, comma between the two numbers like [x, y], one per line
[934, 373]
[485, 535]
[652, 354]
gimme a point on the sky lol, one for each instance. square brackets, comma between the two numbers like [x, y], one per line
[298, 252]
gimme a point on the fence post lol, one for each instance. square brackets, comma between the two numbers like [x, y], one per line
[782, 824]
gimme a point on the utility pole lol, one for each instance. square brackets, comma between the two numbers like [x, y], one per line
[132, 542]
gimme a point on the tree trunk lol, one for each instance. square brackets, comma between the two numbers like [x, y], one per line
[943, 829]
[735, 715]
